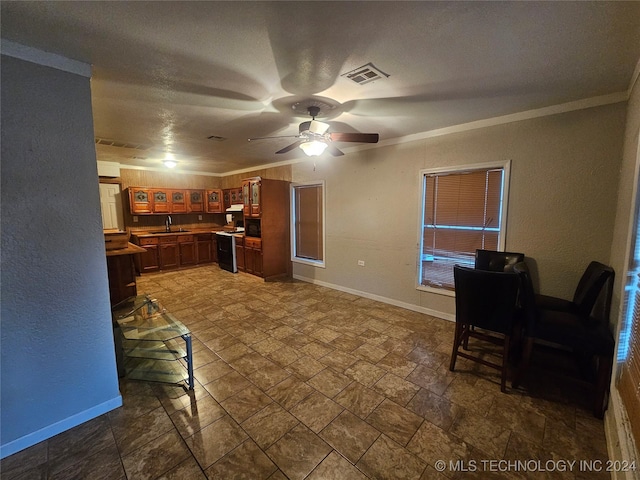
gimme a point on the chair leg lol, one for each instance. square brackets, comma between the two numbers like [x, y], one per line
[457, 339]
[524, 362]
[505, 361]
[605, 363]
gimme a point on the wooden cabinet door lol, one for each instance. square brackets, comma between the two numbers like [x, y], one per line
[161, 200]
[169, 256]
[187, 252]
[246, 198]
[256, 193]
[195, 201]
[240, 257]
[178, 201]
[140, 201]
[214, 248]
[214, 201]
[226, 195]
[204, 253]
[149, 260]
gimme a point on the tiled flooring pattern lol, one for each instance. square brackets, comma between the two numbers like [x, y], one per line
[299, 381]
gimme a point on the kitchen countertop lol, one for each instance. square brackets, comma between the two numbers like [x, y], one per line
[128, 250]
[189, 232]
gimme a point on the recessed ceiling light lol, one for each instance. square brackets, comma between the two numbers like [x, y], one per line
[170, 163]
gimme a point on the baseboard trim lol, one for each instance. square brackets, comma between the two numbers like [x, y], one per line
[620, 443]
[59, 427]
[379, 298]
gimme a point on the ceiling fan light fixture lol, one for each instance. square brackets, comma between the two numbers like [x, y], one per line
[313, 148]
[318, 127]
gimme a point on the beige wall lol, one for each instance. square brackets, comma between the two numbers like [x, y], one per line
[628, 179]
[562, 205]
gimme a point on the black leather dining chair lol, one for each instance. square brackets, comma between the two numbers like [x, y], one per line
[496, 261]
[485, 310]
[571, 326]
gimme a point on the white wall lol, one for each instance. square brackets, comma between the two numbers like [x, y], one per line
[563, 192]
[57, 353]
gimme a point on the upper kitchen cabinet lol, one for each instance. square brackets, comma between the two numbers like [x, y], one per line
[178, 201]
[164, 201]
[215, 201]
[251, 194]
[140, 200]
[161, 200]
[232, 196]
[196, 201]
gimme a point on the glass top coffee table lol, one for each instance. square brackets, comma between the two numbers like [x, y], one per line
[151, 343]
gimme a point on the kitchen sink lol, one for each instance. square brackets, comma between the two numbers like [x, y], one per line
[174, 231]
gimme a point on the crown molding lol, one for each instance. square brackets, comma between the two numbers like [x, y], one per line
[33, 55]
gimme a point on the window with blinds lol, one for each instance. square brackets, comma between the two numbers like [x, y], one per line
[629, 344]
[308, 223]
[462, 211]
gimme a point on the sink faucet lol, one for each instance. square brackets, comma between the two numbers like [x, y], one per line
[167, 223]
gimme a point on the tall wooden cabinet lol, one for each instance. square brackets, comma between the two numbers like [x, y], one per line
[267, 202]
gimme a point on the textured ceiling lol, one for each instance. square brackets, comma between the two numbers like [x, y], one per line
[167, 75]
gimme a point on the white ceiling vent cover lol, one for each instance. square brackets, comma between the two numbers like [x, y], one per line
[115, 143]
[365, 74]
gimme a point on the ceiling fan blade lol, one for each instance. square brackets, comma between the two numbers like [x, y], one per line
[290, 147]
[334, 151]
[354, 137]
[318, 127]
[277, 136]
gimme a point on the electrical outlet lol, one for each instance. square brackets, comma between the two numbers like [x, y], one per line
[199, 217]
[135, 219]
[361, 263]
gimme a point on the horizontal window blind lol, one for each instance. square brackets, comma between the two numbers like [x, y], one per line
[461, 214]
[629, 380]
[308, 222]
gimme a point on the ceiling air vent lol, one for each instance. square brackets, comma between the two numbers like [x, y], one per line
[365, 74]
[216, 138]
[115, 143]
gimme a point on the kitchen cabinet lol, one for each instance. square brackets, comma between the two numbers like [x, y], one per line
[240, 253]
[122, 272]
[149, 261]
[214, 248]
[251, 193]
[253, 255]
[195, 201]
[140, 201]
[169, 254]
[215, 201]
[178, 201]
[232, 196]
[269, 204]
[204, 248]
[161, 200]
[186, 250]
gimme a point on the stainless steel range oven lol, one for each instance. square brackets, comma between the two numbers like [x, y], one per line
[227, 251]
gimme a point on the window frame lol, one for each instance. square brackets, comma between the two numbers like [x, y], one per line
[505, 166]
[294, 257]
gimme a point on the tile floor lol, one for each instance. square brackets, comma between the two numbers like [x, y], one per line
[298, 381]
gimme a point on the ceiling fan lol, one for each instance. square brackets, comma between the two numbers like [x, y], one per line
[314, 138]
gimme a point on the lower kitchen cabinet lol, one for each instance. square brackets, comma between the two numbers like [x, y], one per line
[240, 253]
[149, 261]
[204, 248]
[187, 250]
[253, 256]
[169, 253]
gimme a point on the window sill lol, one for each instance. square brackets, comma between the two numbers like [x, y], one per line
[306, 261]
[437, 291]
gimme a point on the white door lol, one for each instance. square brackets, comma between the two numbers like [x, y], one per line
[111, 204]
